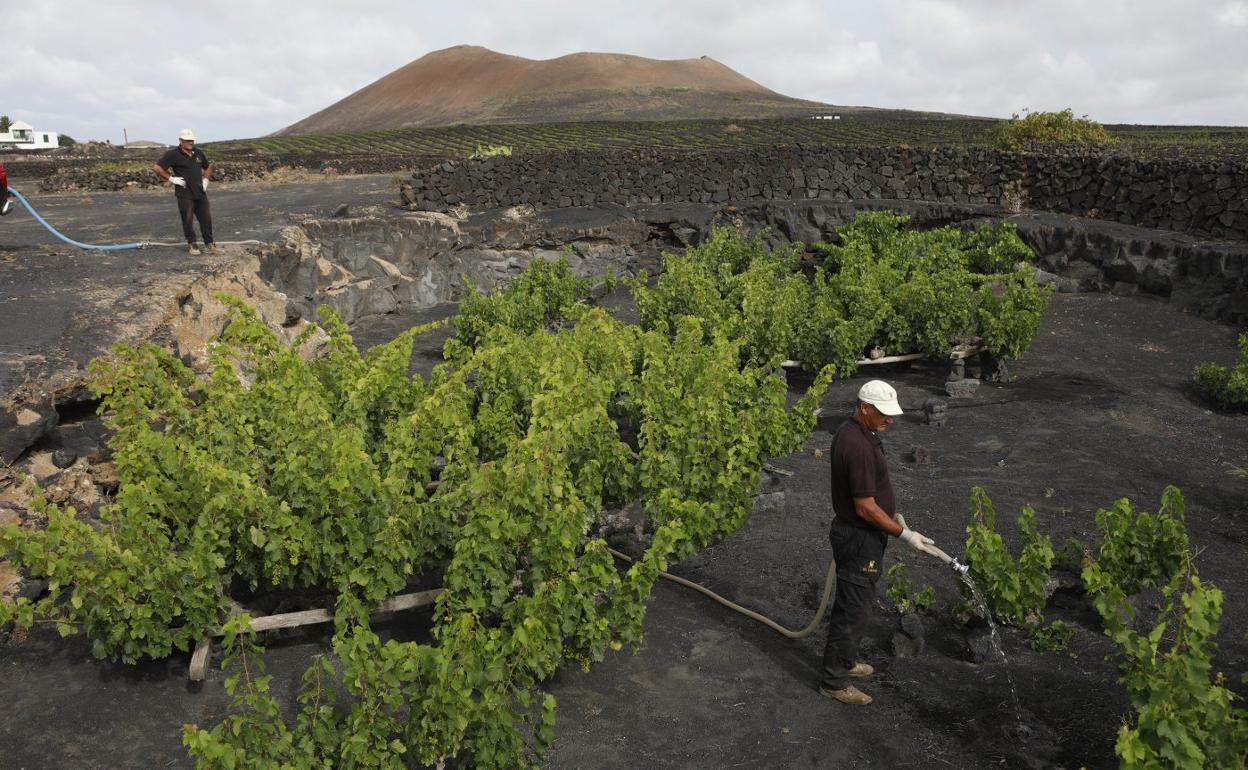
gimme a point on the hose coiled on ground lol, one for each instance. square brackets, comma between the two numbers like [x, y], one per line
[828, 584]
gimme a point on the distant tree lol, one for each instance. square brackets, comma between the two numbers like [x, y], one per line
[1048, 128]
[5, 123]
[65, 140]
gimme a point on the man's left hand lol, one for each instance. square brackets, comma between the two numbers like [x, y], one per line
[915, 540]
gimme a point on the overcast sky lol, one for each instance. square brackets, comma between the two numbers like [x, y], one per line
[246, 68]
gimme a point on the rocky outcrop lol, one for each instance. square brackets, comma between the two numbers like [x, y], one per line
[372, 263]
[1207, 278]
[21, 425]
[201, 316]
[175, 308]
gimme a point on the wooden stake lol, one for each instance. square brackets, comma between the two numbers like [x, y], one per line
[199, 659]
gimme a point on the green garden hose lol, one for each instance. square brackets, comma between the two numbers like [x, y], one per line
[828, 584]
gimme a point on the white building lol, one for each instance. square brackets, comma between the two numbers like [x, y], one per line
[22, 136]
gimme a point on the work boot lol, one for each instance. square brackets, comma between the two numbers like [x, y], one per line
[851, 695]
[861, 669]
[193, 249]
[211, 248]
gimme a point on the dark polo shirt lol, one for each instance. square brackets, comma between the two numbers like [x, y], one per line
[189, 167]
[859, 469]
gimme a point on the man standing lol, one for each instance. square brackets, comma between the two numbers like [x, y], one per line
[187, 169]
[864, 502]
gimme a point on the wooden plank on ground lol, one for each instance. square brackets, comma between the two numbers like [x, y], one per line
[199, 659]
[311, 617]
[954, 355]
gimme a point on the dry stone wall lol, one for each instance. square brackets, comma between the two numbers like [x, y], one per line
[134, 170]
[1203, 199]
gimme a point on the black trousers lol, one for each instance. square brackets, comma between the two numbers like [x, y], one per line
[859, 555]
[191, 209]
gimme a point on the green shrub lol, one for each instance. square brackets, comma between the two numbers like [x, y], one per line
[489, 151]
[1010, 313]
[1014, 590]
[1183, 714]
[1142, 550]
[899, 591]
[1227, 387]
[883, 285]
[1052, 638]
[1071, 556]
[995, 248]
[279, 471]
[1035, 128]
[301, 478]
[543, 293]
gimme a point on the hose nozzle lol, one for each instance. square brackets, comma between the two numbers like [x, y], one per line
[959, 567]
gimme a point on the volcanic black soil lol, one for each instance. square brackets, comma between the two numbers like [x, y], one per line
[1099, 408]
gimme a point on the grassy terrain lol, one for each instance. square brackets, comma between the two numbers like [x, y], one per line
[852, 130]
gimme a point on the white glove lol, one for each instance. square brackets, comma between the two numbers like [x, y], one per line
[205, 186]
[177, 180]
[920, 542]
[915, 540]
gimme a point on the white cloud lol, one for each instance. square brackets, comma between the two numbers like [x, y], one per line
[253, 66]
[1233, 14]
[850, 59]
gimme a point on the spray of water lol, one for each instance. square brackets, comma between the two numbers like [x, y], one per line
[996, 644]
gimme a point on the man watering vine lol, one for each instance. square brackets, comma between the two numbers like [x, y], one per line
[866, 514]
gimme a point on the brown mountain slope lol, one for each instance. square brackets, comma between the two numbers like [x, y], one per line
[470, 84]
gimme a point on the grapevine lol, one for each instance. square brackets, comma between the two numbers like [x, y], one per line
[1184, 715]
[345, 474]
[1226, 386]
[1014, 588]
[882, 286]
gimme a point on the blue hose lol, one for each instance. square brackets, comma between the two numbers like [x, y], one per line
[89, 246]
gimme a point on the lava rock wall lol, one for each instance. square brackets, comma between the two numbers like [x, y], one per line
[134, 170]
[1199, 198]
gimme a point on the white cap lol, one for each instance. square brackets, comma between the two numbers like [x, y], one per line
[186, 134]
[881, 395]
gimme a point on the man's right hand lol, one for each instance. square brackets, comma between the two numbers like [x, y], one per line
[177, 180]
